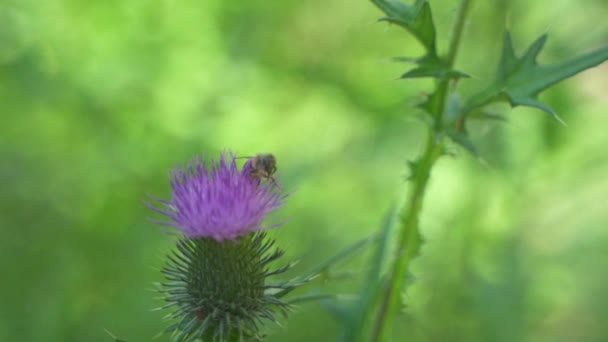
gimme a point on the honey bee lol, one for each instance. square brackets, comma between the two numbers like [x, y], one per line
[261, 166]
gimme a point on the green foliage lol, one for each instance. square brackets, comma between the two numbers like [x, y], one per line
[98, 99]
[518, 80]
[521, 79]
[417, 19]
[353, 316]
[320, 269]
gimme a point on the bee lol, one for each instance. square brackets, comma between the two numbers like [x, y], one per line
[261, 166]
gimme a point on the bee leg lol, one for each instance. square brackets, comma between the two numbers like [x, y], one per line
[274, 182]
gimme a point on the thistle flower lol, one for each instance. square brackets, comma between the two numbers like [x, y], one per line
[218, 202]
[217, 277]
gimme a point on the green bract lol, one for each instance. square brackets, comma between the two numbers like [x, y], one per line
[220, 290]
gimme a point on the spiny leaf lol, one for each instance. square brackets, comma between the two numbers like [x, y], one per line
[457, 132]
[343, 254]
[417, 19]
[519, 80]
[430, 66]
[462, 139]
[370, 291]
[435, 71]
[486, 115]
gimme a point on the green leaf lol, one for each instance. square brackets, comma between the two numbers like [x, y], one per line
[519, 80]
[436, 70]
[312, 297]
[462, 139]
[343, 254]
[417, 19]
[370, 292]
[457, 133]
[485, 115]
[341, 311]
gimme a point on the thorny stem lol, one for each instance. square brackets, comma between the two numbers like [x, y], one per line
[409, 236]
[465, 5]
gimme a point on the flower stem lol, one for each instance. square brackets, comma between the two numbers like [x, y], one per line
[409, 235]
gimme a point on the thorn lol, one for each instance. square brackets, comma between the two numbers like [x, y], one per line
[560, 120]
[116, 339]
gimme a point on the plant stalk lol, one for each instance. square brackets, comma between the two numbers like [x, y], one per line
[409, 235]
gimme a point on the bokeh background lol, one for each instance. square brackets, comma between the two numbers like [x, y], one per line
[98, 99]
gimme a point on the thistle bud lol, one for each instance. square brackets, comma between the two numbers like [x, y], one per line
[216, 279]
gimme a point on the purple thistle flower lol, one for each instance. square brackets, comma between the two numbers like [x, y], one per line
[217, 200]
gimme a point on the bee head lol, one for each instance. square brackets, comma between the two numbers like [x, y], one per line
[269, 163]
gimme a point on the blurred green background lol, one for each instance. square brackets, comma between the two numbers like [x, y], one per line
[99, 99]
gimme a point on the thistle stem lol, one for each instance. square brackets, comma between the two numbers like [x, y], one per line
[463, 11]
[409, 235]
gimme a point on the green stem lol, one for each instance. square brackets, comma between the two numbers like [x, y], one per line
[409, 236]
[409, 239]
[463, 10]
